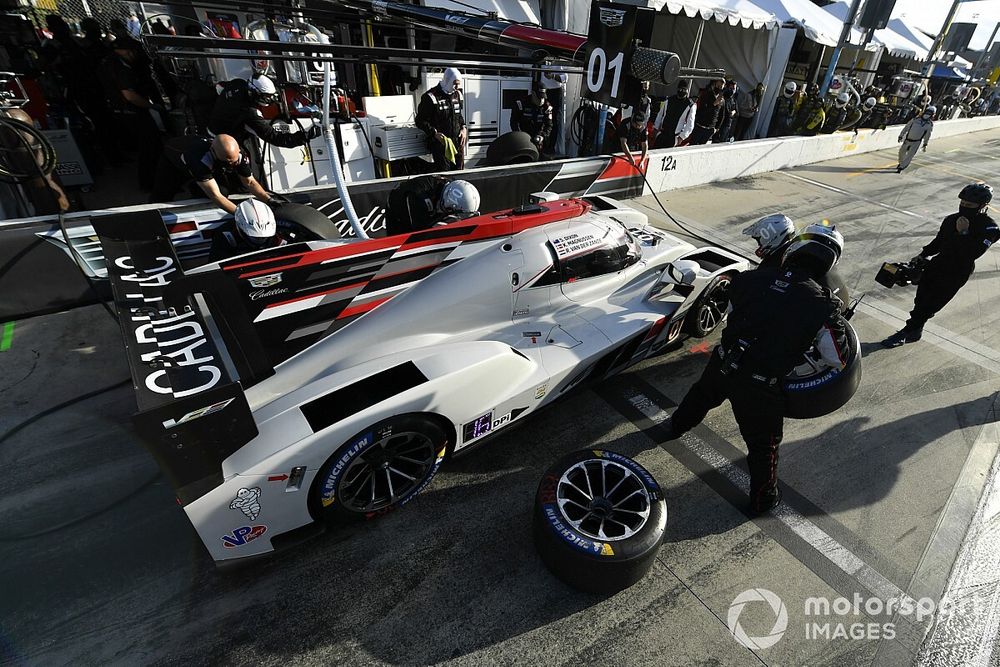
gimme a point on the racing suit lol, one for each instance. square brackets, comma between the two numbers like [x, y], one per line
[535, 119]
[953, 259]
[781, 119]
[236, 114]
[836, 117]
[917, 130]
[442, 112]
[810, 117]
[774, 319]
[226, 244]
[412, 205]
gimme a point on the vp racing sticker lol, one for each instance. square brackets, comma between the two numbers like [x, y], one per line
[242, 535]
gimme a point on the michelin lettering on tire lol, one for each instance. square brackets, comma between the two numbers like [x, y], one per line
[328, 496]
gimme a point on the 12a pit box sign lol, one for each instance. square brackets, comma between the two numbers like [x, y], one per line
[609, 44]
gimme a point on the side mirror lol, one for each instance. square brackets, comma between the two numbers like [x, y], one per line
[682, 271]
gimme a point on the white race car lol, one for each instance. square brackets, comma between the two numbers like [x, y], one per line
[328, 380]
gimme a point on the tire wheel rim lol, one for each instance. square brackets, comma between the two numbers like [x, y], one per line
[712, 311]
[603, 500]
[387, 472]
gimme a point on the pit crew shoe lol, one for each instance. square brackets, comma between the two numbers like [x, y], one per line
[765, 502]
[902, 337]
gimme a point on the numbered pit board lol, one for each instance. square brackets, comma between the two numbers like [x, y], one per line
[614, 30]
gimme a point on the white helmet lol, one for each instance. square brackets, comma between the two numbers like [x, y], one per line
[790, 88]
[771, 233]
[819, 245]
[926, 99]
[842, 100]
[263, 89]
[255, 222]
[870, 103]
[460, 198]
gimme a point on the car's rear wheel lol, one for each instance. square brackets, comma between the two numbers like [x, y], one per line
[709, 311]
[599, 520]
[379, 469]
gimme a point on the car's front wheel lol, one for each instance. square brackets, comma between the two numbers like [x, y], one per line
[380, 468]
[709, 310]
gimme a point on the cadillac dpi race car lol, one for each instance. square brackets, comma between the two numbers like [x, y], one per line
[327, 380]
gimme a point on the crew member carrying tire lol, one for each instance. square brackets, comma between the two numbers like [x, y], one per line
[775, 315]
[237, 113]
[533, 115]
[255, 229]
[422, 202]
[961, 240]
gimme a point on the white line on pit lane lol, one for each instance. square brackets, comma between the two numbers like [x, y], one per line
[960, 346]
[842, 557]
[854, 195]
[968, 619]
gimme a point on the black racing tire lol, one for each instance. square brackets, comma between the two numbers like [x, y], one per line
[511, 148]
[584, 544]
[814, 395]
[307, 221]
[392, 460]
[709, 310]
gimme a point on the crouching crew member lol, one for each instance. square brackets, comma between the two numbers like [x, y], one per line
[422, 202]
[255, 229]
[962, 239]
[776, 314]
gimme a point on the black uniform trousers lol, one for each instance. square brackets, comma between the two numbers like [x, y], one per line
[759, 410]
[938, 285]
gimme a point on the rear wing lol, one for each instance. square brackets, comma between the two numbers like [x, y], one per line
[191, 351]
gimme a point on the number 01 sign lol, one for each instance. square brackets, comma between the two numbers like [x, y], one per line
[609, 44]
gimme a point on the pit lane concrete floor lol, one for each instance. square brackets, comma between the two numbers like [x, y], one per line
[101, 567]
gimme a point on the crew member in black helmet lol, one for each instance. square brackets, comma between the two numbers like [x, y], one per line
[533, 115]
[776, 313]
[950, 259]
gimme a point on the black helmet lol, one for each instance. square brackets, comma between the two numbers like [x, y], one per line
[976, 193]
[813, 89]
[819, 246]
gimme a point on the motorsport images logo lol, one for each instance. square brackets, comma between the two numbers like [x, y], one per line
[780, 620]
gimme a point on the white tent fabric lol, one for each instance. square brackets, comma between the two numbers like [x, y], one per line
[913, 34]
[895, 43]
[741, 13]
[818, 25]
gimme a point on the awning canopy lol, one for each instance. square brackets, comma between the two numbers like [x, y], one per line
[896, 44]
[818, 25]
[734, 12]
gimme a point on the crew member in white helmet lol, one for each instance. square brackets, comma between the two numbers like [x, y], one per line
[254, 229]
[916, 131]
[441, 116]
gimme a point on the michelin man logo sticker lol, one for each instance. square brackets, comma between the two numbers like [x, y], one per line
[777, 630]
[246, 501]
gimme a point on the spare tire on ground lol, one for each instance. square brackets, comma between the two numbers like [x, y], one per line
[511, 148]
[599, 520]
[813, 390]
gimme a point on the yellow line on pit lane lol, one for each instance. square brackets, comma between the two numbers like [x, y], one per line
[868, 170]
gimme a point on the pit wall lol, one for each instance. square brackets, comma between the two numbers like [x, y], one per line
[671, 169]
[38, 273]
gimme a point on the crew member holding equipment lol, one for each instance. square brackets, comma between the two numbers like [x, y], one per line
[961, 240]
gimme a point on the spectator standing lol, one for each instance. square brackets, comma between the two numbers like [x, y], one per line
[727, 117]
[710, 106]
[747, 107]
[675, 121]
